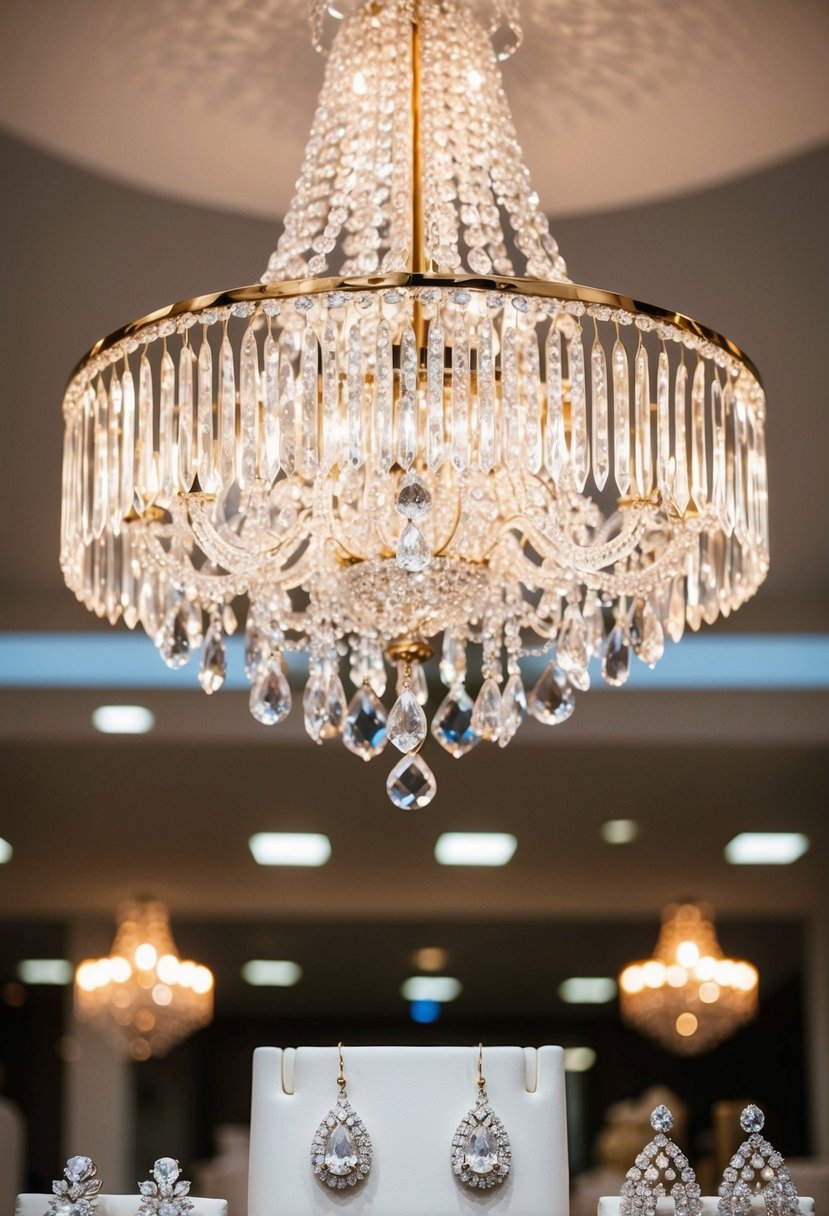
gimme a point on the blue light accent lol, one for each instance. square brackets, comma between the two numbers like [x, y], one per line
[129, 660]
[424, 1012]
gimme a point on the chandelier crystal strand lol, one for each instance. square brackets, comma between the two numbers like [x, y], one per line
[400, 459]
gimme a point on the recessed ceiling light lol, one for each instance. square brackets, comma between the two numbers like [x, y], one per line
[44, 971]
[425, 1012]
[271, 973]
[441, 988]
[123, 719]
[475, 848]
[6, 851]
[579, 1059]
[290, 848]
[587, 990]
[619, 831]
[766, 848]
[430, 958]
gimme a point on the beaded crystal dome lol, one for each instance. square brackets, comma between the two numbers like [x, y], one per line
[415, 435]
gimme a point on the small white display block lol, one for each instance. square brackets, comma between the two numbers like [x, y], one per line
[612, 1206]
[411, 1100]
[116, 1205]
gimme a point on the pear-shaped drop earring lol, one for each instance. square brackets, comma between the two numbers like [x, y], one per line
[341, 1149]
[481, 1152]
[757, 1169]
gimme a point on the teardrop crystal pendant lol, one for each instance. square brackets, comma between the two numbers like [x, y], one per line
[481, 1152]
[552, 701]
[213, 667]
[411, 784]
[757, 1171]
[486, 715]
[407, 722]
[513, 709]
[364, 732]
[270, 697]
[452, 724]
[616, 658]
[341, 1149]
[660, 1169]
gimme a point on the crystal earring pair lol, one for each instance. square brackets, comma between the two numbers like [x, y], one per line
[341, 1150]
[755, 1170]
[163, 1194]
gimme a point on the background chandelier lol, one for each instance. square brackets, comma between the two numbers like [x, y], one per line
[688, 996]
[143, 998]
[424, 445]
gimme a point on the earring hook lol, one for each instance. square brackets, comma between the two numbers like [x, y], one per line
[341, 1074]
[481, 1077]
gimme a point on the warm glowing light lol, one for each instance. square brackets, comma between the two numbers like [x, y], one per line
[619, 831]
[149, 1008]
[145, 956]
[686, 1025]
[430, 958]
[359, 85]
[687, 996]
[687, 953]
[475, 79]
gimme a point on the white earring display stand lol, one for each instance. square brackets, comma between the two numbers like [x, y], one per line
[411, 1100]
[612, 1206]
[116, 1205]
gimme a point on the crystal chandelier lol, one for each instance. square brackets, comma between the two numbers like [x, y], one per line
[688, 996]
[143, 997]
[416, 433]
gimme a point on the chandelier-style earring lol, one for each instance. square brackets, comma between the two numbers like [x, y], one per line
[757, 1169]
[165, 1191]
[76, 1192]
[661, 1169]
[481, 1152]
[341, 1149]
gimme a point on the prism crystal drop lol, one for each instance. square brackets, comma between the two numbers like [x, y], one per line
[552, 701]
[411, 784]
[413, 552]
[213, 666]
[452, 723]
[270, 696]
[364, 732]
[616, 658]
[486, 715]
[407, 722]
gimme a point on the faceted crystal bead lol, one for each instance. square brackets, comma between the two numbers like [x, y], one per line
[752, 1119]
[513, 709]
[340, 1151]
[452, 724]
[166, 1170]
[486, 715]
[552, 701]
[270, 697]
[213, 666]
[78, 1169]
[407, 722]
[411, 784]
[413, 552]
[256, 650]
[364, 732]
[413, 500]
[481, 1155]
[616, 658]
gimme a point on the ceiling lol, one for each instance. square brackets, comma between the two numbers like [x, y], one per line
[711, 112]
[211, 102]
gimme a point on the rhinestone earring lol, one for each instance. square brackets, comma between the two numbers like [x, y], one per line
[341, 1149]
[481, 1153]
[757, 1169]
[165, 1191]
[76, 1192]
[661, 1169]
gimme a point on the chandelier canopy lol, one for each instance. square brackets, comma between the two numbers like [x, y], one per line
[688, 996]
[416, 433]
[143, 997]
